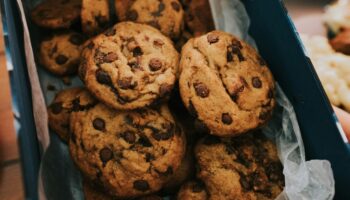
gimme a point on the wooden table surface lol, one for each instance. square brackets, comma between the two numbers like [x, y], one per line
[11, 187]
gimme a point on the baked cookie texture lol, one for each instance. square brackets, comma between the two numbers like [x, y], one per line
[240, 168]
[193, 190]
[95, 16]
[60, 54]
[226, 84]
[56, 14]
[129, 153]
[165, 15]
[130, 66]
[64, 103]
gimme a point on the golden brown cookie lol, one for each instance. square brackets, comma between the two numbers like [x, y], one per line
[130, 66]
[60, 54]
[241, 168]
[165, 15]
[225, 84]
[95, 16]
[129, 153]
[56, 14]
[193, 190]
[64, 103]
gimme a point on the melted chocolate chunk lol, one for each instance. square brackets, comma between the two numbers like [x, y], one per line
[158, 43]
[126, 83]
[256, 82]
[137, 51]
[106, 154]
[129, 137]
[176, 6]
[155, 64]
[144, 141]
[161, 7]
[99, 124]
[61, 59]
[141, 185]
[201, 89]
[103, 77]
[226, 119]
[212, 38]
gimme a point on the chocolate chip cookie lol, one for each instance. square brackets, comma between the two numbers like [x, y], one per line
[94, 16]
[241, 168]
[130, 66]
[129, 153]
[65, 102]
[60, 54]
[226, 84]
[56, 14]
[193, 190]
[198, 17]
[165, 15]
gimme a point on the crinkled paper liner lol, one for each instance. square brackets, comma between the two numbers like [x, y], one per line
[59, 179]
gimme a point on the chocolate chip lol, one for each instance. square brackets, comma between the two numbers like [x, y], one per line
[129, 137]
[144, 141]
[164, 90]
[158, 43]
[137, 51]
[198, 187]
[132, 15]
[134, 65]
[110, 32]
[226, 118]
[110, 57]
[155, 64]
[61, 59]
[129, 120]
[201, 89]
[256, 82]
[90, 45]
[175, 6]
[103, 77]
[56, 108]
[212, 38]
[126, 83]
[229, 56]
[211, 140]
[99, 124]
[235, 49]
[161, 7]
[76, 39]
[106, 154]
[76, 105]
[141, 185]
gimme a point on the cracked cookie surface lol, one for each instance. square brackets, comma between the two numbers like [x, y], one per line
[56, 14]
[130, 153]
[95, 16]
[129, 66]
[64, 103]
[193, 190]
[240, 168]
[225, 84]
[165, 15]
[60, 54]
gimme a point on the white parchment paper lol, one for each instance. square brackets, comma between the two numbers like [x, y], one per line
[59, 179]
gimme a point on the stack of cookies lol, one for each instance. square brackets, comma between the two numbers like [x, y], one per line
[150, 121]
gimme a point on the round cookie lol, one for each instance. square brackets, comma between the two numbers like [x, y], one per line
[60, 54]
[94, 16]
[129, 153]
[193, 190]
[65, 102]
[130, 66]
[165, 15]
[225, 84]
[242, 168]
[56, 14]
